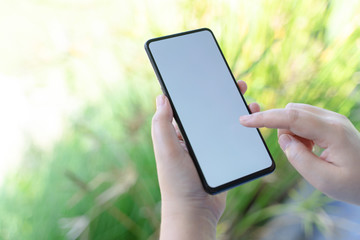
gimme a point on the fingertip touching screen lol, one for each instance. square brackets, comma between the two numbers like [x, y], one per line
[208, 104]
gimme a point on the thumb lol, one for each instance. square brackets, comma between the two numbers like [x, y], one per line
[316, 171]
[165, 140]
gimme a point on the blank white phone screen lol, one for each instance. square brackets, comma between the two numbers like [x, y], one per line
[209, 105]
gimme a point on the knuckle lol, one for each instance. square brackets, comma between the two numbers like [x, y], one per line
[156, 119]
[259, 116]
[342, 117]
[290, 106]
[338, 126]
[293, 114]
[294, 156]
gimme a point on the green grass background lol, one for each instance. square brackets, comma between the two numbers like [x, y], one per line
[98, 179]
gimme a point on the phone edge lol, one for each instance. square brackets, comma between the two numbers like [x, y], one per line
[207, 188]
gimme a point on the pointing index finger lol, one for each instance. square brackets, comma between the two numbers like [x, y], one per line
[302, 123]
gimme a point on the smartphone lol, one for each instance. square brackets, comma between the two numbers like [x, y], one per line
[207, 104]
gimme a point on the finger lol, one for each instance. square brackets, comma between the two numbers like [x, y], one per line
[300, 122]
[285, 131]
[310, 108]
[254, 107]
[165, 140]
[242, 85]
[316, 171]
[308, 143]
[177, 130]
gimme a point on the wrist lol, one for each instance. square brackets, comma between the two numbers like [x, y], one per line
[187, 221]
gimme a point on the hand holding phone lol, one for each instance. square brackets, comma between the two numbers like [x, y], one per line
[182, 194]
[206, 103]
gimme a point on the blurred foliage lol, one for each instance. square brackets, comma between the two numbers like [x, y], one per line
[98, 179]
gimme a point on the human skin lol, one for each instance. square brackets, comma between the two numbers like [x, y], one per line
[187, 211]
[336, 172]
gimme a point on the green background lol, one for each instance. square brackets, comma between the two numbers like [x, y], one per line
[86, 168]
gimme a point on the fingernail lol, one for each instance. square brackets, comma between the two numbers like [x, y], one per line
[160, 100]
[245, 118]
[284, 141]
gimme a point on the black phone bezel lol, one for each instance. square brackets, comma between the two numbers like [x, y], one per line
[207, 188]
